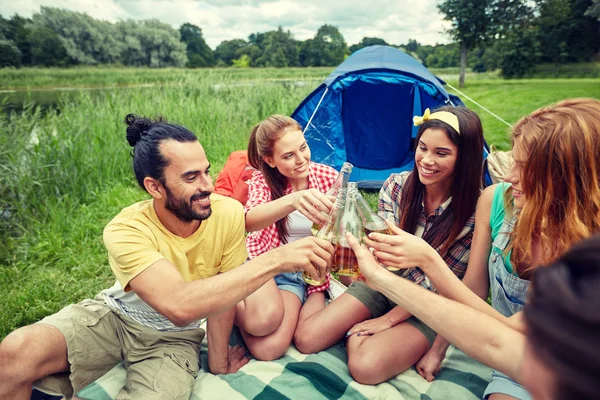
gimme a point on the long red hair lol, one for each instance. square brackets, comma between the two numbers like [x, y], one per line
[560, 178]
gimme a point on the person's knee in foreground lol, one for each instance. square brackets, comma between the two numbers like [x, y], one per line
[285, 197]
[177, 259]
[551, 199]
[556, 356]
[435, 201]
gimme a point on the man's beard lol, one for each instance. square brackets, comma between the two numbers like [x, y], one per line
[184, 210]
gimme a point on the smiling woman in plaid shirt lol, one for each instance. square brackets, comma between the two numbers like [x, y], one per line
[549, 200]
[285, 197]
[435, 201]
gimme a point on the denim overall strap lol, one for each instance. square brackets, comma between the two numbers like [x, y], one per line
[508, 298]
[508, 290]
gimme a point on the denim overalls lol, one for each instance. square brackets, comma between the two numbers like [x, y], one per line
[508, 297]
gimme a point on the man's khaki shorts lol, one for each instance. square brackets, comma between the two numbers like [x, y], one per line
[160, 365]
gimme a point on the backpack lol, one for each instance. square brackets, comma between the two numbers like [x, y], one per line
[498, 163]
[233, 179]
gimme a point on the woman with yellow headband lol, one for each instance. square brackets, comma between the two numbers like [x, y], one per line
[435, 201]
[550, 200]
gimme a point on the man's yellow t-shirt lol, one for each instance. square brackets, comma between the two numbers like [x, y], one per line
[136, 239]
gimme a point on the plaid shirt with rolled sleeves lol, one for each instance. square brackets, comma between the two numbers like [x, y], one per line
[320, 177]
[457, 257]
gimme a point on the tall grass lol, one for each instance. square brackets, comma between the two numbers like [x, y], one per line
[65, 172]
[11, 78]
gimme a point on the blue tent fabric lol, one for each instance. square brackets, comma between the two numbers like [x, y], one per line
[362, 113]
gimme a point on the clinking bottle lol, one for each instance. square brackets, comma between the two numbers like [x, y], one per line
[334, 190]
[371, 221]
[344, 260]
[327, 231]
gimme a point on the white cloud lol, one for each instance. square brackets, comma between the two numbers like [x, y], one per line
[394, 21]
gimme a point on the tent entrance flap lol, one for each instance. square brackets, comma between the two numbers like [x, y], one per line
[376, 132]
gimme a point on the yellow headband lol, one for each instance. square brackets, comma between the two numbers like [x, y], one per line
[443, 116]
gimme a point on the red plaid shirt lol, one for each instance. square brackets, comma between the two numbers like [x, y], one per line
[457, 257]
[320, 177]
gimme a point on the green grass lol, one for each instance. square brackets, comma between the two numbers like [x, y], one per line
[91, 77]
[59, 189]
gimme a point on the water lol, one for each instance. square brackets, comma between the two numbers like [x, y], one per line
[48, 99]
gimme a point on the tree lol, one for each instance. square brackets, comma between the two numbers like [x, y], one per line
[228, 50]
[15, 30]
[469, 20]
[87, 40]
[151, 43]
[412, 45]
[327, 48]
[47, 48]
[366, 42]
[519, 51]
[278, 49]
[242, 62]
[10, 56]
[567, 31]
[198, 52]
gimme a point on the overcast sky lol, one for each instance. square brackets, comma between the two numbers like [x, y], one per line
[395, 21]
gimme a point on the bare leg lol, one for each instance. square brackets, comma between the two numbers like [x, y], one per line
[273, 346]
[261, 313]
[377, 358]
[320, 327]
[28, 354]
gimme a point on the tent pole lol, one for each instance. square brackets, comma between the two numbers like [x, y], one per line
[316, 108]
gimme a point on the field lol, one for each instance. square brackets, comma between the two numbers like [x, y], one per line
[65, 168]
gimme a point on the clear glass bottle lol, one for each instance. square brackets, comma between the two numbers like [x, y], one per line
[327, 231]
[340, 182]
[344, 259]
[371, 221]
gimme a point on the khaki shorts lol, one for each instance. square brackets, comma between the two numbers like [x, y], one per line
[379, 305]
[160, 365]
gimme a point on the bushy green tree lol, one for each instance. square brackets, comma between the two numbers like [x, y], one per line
[242, 62]
[328, 48]
[278, 49]
[16, 31]
[228, 50]
[412, 45]
[469, 20]
[520, 52]
[151, 43]
[198, 53]
[87, 40]
[47, 48]
[567, 31]
[10, 56]
[366, 42]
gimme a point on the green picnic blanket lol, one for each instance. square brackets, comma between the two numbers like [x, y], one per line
[318, 376]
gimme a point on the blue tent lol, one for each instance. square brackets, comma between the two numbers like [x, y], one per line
[362, 113]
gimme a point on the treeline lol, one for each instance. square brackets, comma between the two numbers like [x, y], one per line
[517, 35]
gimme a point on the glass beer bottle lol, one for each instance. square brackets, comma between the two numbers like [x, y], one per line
[328, 230]
[344, 260]
[341, 181]
[371, 221]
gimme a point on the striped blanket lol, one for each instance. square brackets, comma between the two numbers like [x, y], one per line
[318, 376]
